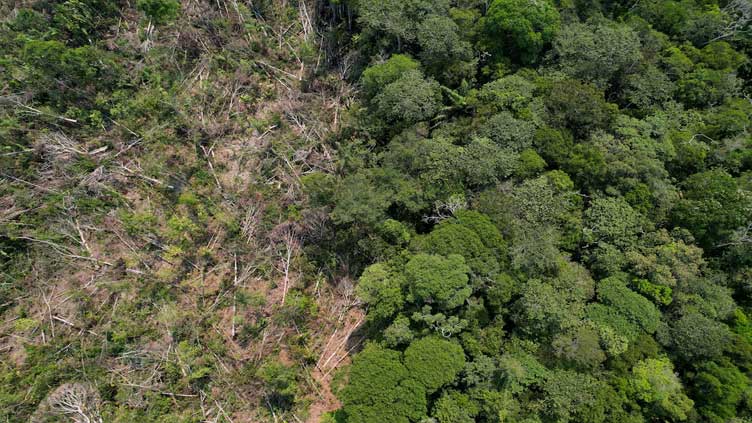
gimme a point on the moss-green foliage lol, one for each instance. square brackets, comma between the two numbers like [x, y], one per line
[380, 387]
[66, 77]
[596, 54]
[488, 233]
[394, 23]
[434, 362]
[483, 162]
[695, 336]
[712, 205]
[409, 99]
[381, 289]
[280, 384]
[449, 238]
[399, 332]
[514, 93]
[541, 311]
[509, 132]
[654, 382]
[438, 280]
[531, 164]
[658, 293]
[633, 306]
[519, 29]
[456, 407]
[611, 221]
[375, 78]
[720, 389]
[571, 397]
[608, 317]
[159, 11]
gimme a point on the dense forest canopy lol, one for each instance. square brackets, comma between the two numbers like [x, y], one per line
[360, 211]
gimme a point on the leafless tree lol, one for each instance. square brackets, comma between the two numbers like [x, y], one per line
[254, 211]
[286, 237]
[738, 14]
[741, 236]
[305, 20]
[77, 401]
[446, 208]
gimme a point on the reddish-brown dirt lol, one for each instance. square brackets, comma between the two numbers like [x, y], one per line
[335, 354]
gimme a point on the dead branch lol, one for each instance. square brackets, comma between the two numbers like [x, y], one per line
[140, 174]
[33, 111]
[208, 155]
[738, 14]
[52, 191]
[78, 401]
[64, 251]
[286, 235]
[446, 209]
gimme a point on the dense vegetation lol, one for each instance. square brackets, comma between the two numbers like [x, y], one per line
[505, 211]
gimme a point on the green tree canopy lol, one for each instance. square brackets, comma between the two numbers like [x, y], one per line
[381, 289]
[381, 387]
[631, 305]
[437, 280]
[695, 336]
[655, 383]
[541, 311]
[409, 99]
[720, 389]
[455, 407]
[451, 237]
[713, 205]
[378, 76]
[596, 53]
[576, 397]
[612, 220]
[444, 53]
[519, 29]
[397, 20]
[434, 361]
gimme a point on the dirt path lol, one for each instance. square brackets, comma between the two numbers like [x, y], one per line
[335, 354]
